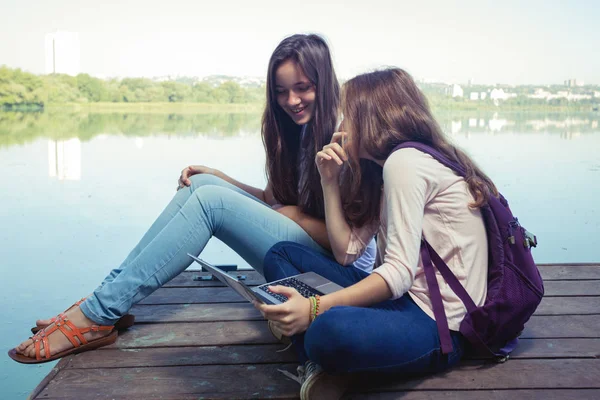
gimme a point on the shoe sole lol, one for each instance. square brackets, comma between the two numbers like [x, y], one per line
[94, 344]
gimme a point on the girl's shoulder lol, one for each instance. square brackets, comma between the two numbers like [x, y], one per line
[411, 167]
[408, 159]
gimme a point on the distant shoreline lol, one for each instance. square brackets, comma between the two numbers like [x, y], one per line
[158, 107]
[235, 108]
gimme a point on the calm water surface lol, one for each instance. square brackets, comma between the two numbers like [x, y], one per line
[78, 190]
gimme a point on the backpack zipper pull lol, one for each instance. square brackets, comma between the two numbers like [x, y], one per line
[530, 239]
[511, 237]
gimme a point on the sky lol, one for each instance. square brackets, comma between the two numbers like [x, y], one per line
[453, 41]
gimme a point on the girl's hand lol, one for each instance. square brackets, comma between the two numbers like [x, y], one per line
[330, 160]
[193, 170]
[291, 317]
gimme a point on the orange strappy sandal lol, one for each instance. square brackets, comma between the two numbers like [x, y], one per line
[123, 323]
[75, 336]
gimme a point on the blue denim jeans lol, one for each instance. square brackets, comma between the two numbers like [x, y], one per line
[209, 207]
[392, 337]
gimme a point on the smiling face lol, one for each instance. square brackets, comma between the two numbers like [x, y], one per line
[296, 95]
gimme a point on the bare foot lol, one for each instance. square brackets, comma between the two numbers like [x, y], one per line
[42, 323]
[57, 340]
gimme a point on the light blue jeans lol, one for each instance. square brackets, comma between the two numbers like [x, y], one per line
[209, 207]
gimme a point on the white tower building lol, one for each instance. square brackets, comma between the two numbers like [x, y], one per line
[62, 53]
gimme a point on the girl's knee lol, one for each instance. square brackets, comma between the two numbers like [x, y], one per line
[274, 257]
[200, 180]
[330, 339]
[209, 194]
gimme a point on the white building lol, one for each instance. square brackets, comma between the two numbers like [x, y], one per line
[573, 82]
[457, 91]
[474, 96]
[62, 53]
[497, 94]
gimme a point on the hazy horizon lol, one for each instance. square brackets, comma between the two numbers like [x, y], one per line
[540, 42]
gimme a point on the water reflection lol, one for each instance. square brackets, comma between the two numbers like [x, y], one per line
[566, 126]
[64, 159]
[19, 128]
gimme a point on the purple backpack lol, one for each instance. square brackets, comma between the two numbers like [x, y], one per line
[514, 284]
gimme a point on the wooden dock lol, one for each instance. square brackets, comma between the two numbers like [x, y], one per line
[198, 340]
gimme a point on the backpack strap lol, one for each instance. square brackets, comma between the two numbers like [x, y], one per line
[432, 260]
[428, 254]
[436, 300]
[433, 153]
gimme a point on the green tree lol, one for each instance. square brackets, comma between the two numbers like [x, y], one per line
[175, 91]
[92, 89]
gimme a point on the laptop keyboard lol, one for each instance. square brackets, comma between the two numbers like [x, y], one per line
[301, 287]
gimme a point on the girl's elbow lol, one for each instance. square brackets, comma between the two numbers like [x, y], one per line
[343, 259]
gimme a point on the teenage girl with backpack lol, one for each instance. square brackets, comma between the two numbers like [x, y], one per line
[384, 322]
[299, 118]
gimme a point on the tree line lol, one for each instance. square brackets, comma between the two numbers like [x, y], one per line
[19, 89]
[23, 90]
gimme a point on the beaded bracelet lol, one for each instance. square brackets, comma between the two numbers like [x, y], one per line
[313, 306]
[315, 302]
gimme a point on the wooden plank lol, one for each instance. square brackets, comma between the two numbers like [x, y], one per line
[196, 312]
[198, 295]
[569, 271]
[186, 279]
[528, 394]
[569, 306]
[212, 381]
[199, 334]
[258, 354]
[574, 271]
[557, 348]
[172, 356]
[578, 264]
[562, 326]
[193, 295]
[264, 381]
[245, 310]
[257, 332]
[572, 288]
[515, 374]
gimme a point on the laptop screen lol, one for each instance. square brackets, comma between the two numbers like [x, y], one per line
[229, 280]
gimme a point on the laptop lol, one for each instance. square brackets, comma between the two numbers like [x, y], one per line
[307, 284]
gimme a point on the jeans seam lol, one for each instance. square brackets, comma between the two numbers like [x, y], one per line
[184, 242]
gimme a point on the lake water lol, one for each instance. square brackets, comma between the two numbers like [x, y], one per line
[78, 190]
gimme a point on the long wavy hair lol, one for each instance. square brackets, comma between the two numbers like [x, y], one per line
[381, 110]
[281, 136]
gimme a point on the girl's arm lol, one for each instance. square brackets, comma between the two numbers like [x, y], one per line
[340, 233]
[265, 195]
[293, 316]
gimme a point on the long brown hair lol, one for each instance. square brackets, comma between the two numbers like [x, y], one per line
[281, 136]
[381, 110]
